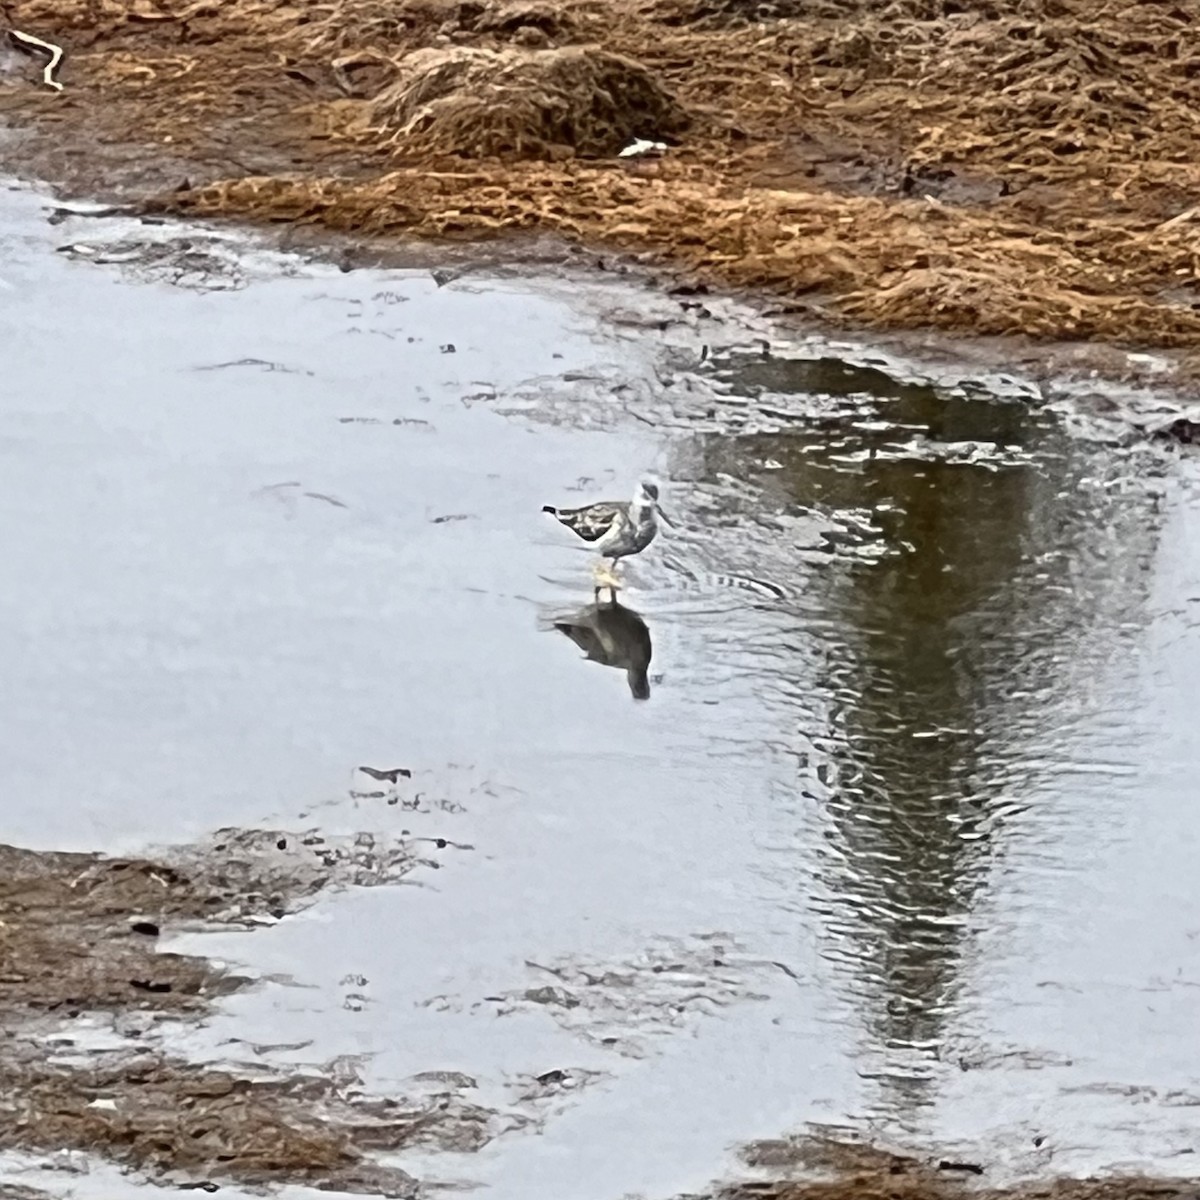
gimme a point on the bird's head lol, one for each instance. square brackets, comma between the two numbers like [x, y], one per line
[647, 497]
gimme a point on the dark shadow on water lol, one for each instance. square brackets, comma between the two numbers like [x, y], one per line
[1003, 580]
[759, 374]
[615, 636]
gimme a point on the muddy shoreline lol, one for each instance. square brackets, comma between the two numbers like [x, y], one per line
[78, 934]
[1147, 392]
[871, 165]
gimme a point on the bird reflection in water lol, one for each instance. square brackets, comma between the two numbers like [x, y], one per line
[615, 636]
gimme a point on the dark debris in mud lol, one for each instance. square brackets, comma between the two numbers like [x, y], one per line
[77, 930]
[67, 928]
[1184, 430]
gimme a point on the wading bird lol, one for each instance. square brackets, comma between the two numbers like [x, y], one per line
[616, 528]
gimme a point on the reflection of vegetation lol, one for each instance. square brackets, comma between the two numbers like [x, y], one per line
[823, 376]
[999, 584]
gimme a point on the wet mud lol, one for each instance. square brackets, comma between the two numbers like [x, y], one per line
[180, 1125]
[80, 930]
[824, 1166]
[984, 169]
[79, 936]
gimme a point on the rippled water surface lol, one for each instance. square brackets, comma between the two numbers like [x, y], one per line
[902, 839]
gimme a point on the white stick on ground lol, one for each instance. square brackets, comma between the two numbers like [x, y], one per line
[55, 52]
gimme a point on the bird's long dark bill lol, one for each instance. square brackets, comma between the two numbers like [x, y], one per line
[658, 509]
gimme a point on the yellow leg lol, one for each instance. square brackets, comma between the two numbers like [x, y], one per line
[605, 577]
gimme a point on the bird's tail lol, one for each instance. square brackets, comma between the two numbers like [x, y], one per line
[550, 509]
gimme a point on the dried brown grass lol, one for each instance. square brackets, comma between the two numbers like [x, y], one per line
[819, 1167]
[481, 103]
[826, 138]
[77, 935]
[892, 264]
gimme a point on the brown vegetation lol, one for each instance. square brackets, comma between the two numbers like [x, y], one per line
[545, 104]
[1022, 167]
[821, 1167]
[78, 938]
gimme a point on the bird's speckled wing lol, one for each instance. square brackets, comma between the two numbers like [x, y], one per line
[594, 521]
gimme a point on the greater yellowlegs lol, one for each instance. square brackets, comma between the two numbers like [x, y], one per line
[616, 528]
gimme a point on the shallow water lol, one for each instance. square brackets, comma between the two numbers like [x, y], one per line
[903, 838]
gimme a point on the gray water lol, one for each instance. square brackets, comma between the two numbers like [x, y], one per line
[903, 839]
